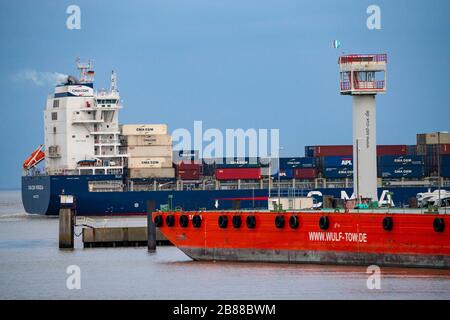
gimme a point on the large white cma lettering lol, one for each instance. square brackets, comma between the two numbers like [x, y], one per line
[386, 199]
[315, 193]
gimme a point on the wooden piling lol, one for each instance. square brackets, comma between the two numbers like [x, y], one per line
[66, 228]
[151, 231]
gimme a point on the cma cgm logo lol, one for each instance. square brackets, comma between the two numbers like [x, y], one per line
[80, 90]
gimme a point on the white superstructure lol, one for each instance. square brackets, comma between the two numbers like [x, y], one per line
[364, 76]
[82, 127]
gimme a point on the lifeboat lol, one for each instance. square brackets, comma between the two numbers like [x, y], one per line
[35, 157]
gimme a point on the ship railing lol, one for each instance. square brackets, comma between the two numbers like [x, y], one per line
[106, 141]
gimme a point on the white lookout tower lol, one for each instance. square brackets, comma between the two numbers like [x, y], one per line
[363, 76]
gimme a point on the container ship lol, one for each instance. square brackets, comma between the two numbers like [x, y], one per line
[128, 169]
[362, 233]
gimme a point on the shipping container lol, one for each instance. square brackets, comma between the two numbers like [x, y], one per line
[144, 162]
[237, 163]
[384, 161]
[305, 173]
[292, 163]
[445, 171]
[143, 129]
[238, 173]
[325, 151]
[337, 173]
[140, 173]
[411, 150]
[147, 140]
[445, 160]
[285, 174]
[445, 149]
[337, 161]
[392, 150]
[149, 151]
[433, 138]
[188, 174]
[396, 172]
[185, 155]
[189, 166]
[309, 151]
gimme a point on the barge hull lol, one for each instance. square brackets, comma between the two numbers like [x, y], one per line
[317, 257]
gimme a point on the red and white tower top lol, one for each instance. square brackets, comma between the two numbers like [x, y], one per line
[362, 74]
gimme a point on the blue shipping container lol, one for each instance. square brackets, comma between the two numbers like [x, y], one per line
[337, 172]
[445, 160]
[285, 174]
[402, 172]
[385, 161]
[445, 172]
[309, 151]
[292, 163]
[337, 161]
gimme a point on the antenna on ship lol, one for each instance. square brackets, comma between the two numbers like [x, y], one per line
[113, 82]
[363, 76]
[86, 71]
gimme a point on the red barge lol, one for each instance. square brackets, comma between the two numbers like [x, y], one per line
[382, 237]
[352, 238]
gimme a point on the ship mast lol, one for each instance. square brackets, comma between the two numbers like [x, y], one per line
[86, 71]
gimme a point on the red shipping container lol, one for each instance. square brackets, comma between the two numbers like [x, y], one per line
[326, 151]
[445, 149]
[392, 150]
[305, 173]
[238, 173]
[188, 166]
[188, 175]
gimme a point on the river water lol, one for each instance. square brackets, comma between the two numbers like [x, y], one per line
[32, 267]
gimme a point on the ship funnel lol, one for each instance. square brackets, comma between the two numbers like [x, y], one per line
[72, 80]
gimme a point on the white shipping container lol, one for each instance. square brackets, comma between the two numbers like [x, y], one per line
[150, 151]
[147, 140]
[433, 138]
[152, 173]
[144, 162]
[143, 129]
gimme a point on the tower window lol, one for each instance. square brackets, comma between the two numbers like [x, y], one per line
[54, 115]
[54, 129]
[55, 103]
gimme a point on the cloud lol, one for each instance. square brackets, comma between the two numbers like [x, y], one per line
[39, 78]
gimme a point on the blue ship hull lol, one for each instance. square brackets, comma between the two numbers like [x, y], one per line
[40, 195]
